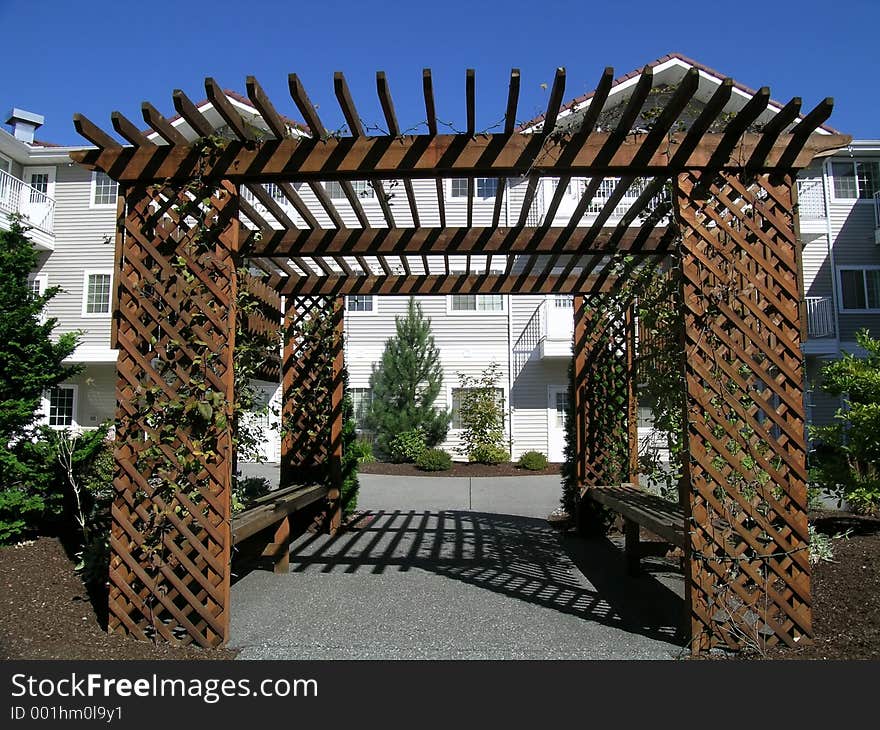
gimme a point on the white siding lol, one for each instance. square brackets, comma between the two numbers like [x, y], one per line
[83, 240]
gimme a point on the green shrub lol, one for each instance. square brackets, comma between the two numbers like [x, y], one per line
[481, 413]
[408, 446]
[362, 450]
[434, 460]
[488, 454]
[533, 461]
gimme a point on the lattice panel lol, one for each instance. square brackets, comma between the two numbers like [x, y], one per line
[602, 371]
[749, 573]
[311, 444]
[175, 305]
[260, 318]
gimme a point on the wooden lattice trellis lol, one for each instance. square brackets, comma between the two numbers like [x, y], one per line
[174, 318]
[312, 393]
[739, 284]
[748, 577]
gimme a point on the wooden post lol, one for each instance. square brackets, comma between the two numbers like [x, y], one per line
[745, 470]
[336, 425]
[632, 398]
[170, 548]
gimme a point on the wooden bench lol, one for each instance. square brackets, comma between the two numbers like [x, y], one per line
[639, 508]
[276, 508]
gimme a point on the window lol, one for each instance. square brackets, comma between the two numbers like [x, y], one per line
[561, 408]
[859, 289]
[39, 187]
[61, 406]
[563, 301]
[274, 191]
[362, 189]
[361, 399]
[855, 179]
[104, 189]
[97, 292]
[484, 187]
[456, 404]
[38, 284]
[477, 303]
[360, 303]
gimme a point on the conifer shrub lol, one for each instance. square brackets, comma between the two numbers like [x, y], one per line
[434, 460]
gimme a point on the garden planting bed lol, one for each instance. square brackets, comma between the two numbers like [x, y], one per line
[459, 469]
[46, 613]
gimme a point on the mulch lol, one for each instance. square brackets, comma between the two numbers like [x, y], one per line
[459, 469]
[45, 612]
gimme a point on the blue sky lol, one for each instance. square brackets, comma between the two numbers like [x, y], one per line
[62, 57]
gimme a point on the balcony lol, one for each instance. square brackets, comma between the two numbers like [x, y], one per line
[877, 218]
[36, 208]
[820, 317]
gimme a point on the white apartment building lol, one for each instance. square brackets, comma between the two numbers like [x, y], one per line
[73, 215]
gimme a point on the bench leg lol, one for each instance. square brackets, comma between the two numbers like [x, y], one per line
[279, 548]
[631, 547]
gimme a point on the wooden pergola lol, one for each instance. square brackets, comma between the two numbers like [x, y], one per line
[720, 193]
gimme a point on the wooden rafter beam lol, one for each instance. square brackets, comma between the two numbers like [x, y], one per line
[267, 110]
[126, 129]
[431, 116]
[224, 107]
[162, 126]
[441, 285]
[441, 156]
[191, 115]
[509, 126]
[353, 120]
[436, 241]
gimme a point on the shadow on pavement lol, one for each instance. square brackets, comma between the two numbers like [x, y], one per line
[519, 557]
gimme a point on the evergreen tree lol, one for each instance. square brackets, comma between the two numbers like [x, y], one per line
[30, 364]
[406, 383]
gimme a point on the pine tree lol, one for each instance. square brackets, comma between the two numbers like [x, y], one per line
[406, 383]
[31, 363]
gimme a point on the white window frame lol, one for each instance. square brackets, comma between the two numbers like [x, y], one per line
[477, 312]
[85, 295]
[362, 189]
[477, 196]
[845, 267]
[92, 191]
[8, 161]
[46, 407]
[505, 410]
[552, 411]
[42, 281]
[359, 313]
[836, 198]
[367, 388]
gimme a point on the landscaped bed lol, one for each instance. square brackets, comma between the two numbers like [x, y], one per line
[459, 469]
[45, 613]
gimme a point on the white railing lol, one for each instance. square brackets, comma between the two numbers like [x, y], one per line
[34, 205]
[811, 199]
[820, 317]
[877, 210]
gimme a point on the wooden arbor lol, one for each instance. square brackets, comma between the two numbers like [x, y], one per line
[191, 213]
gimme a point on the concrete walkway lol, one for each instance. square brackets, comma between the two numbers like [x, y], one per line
[448, 568]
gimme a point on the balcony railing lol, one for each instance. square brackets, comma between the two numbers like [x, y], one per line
[820, 317]
[19, 198]
[811, 199]
[877, 217]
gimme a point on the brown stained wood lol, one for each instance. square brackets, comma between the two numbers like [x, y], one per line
[306, 108]
[802, 131]
[296, 201]
[416, 157]
[737, 127]
[597, 103]
[94, 134]
[320, 192]
[224, 107]
[267, 110]
[274, 508]
[703, 122]
[191, 115]
[439, 284]
[764, 540]
[352, 119]
[665, 519]
[436, 241]
[509, 126]
[126, 129]
[162, 127]
[773, 129]
[431, 116]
